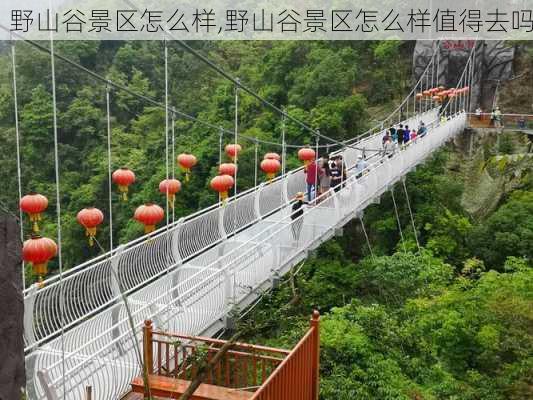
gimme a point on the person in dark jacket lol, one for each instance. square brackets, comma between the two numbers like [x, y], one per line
[400, 135]
[296, 216]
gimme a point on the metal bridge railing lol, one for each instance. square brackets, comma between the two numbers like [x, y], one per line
[101, 351]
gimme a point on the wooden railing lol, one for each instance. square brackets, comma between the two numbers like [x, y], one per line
[296, 378]
[271, 373]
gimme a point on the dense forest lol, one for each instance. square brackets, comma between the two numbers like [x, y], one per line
[330, 86]
[452, 319]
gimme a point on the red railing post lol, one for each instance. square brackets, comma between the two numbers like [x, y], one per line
[148, 353]
[315, 325]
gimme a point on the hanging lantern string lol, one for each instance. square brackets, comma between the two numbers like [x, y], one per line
[17, 138]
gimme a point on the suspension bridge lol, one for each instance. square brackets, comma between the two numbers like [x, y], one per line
[82, 327]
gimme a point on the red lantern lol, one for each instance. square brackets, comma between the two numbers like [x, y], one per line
[34, 204]
[441, 88]
[170, 187]
[90, 218]
[466, 89]
[149, 215]
[426, 93]
[272, 156]
[271, 167]
[186, 162]
[436, 98]
[419, 95]
[123, 177]
[232, 150]
[38, 251]
[306, 155]
[227, 169]
[222, 184]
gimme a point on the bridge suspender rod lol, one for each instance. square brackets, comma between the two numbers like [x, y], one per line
[167, 208]
[398, 219]
[317, 185]
[17, 141]
[109, 169]
[220, 138]
[411, 215]
[173, 156]
[58, 210]
[366, 236]
[256, 150]
[283, 146]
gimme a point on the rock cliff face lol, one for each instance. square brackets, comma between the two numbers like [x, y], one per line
[12, 374]
[493, 64]
[491, 165]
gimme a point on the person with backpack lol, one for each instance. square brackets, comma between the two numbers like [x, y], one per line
[422, 130]
[392, 132]
[336, 174]
[296, 216]
[342, 168]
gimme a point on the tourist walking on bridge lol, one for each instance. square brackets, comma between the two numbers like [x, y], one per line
[422, 130]
[400, 135]
[360, 166]
[325, 178]
[312, 172]
[296, 216]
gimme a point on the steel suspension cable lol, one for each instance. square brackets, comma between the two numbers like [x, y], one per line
[411, 216]
[140, 96]
[17, 143]
[398, 219]
[109, 168]
[58, 209]
[255, 95]
[366, 236]
[182, 114]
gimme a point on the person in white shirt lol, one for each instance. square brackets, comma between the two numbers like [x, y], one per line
[360, 166]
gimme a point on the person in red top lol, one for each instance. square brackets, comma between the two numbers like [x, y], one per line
[313, 172]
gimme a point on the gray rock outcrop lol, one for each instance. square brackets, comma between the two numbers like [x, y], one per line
[493, 64]
[12, 373]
